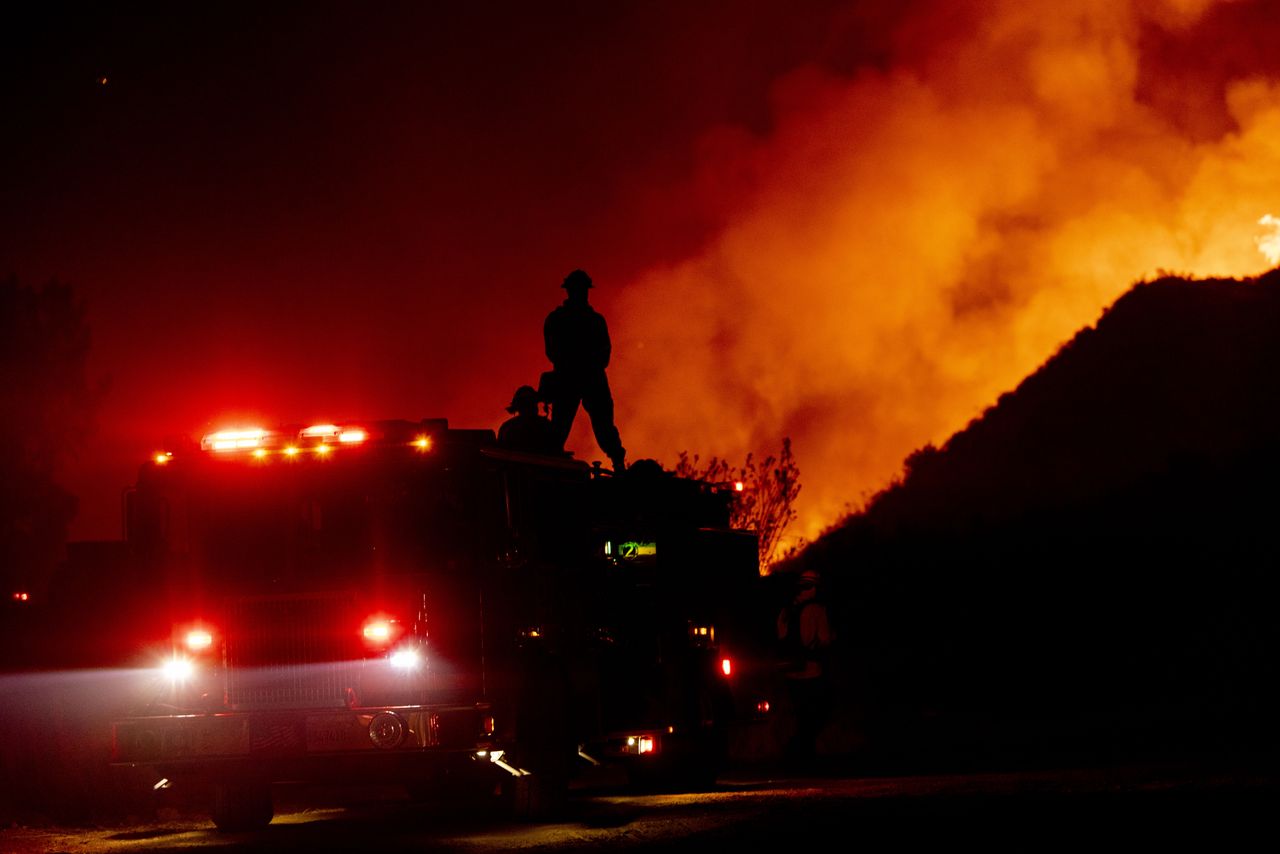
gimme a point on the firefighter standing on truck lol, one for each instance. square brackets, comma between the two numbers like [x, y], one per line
[577, 343]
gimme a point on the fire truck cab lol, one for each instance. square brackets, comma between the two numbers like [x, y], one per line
[403, 601]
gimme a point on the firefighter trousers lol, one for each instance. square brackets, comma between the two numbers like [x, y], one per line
[591, 391]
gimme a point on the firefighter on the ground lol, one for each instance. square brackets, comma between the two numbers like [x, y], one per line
[528, 429]
[804, 631]
[577, 343]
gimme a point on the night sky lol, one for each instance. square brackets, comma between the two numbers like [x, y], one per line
[850, 223]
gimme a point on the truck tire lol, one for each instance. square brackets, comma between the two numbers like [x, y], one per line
[462, 787]
[238, 807]
[693, 764]
[544, 748]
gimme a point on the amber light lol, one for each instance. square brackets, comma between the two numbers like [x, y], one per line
[422, 443]
[163, 457]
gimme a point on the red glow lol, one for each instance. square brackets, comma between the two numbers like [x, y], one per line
[21, 596]
[726, 667]
[738, 486]
[644, 744]
[162, 457]
[352, 436]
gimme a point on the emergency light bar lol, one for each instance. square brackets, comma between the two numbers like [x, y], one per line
[334, 433]
[233, 440]
[257, 439]
[316, 438]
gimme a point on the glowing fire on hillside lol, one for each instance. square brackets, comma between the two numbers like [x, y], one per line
[907, 242]
[1269, 244]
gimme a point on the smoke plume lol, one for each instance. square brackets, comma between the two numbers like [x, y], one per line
[906, 242]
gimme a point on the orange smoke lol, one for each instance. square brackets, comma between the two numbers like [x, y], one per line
[904, 245]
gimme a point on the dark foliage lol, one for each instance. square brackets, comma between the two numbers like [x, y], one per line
[1091, 562]
[47, 403]
[766, 502]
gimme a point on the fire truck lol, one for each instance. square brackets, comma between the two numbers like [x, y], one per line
[408, 602]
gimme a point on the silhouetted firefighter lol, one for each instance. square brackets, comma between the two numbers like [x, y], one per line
[804, 631]
[577, 342]
[528, 429]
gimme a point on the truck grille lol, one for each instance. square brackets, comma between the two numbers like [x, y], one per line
[290, 652]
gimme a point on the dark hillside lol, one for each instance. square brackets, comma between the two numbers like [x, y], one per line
[1092, 561]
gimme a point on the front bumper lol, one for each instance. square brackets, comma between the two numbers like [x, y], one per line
[301, 736]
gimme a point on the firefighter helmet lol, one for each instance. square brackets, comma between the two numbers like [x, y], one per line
[576, 279]
[525, 398]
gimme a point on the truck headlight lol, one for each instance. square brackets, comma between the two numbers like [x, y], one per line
[405, 658]
[178, 669]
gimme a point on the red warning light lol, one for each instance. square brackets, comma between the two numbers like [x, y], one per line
[380, 631]
[21, 596]
[199, 639]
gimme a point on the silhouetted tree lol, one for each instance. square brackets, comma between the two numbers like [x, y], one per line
[47, 405]
[766, 502]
